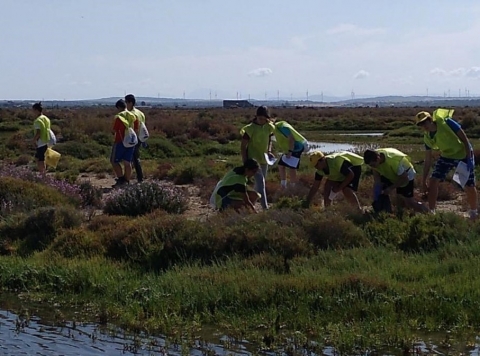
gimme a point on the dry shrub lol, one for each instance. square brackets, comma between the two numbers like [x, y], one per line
[330, 229]
[447, 191]
[162, 170]
[75, 243]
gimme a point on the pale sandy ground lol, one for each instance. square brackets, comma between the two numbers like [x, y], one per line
[199, 209]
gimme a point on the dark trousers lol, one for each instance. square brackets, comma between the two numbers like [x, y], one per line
[136, 162]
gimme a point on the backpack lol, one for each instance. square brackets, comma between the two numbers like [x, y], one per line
[53, 139]
[143, 133]
[130, 139]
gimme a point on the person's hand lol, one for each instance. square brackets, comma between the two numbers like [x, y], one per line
[271, 155]
[289, 154]
[424, 187]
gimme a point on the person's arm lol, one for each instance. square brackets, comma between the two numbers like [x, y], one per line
[243, 147]
[463, 137]
[377, 185]
[291, 145]
[37, 136]
[314, 188]
[426, 169]
[401, 181]
[270, 142]
[346, 170]
[248, 203]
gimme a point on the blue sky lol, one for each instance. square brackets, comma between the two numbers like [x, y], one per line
[80, 49]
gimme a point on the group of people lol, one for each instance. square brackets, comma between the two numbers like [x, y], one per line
[392, 169]
[128, 117]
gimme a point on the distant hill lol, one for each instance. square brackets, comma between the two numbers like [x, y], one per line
[314, 100]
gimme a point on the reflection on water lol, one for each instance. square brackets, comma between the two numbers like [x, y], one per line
[361, 134]
[34, 336]
[330, 147]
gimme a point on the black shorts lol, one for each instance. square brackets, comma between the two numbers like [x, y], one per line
[40, 153]
[357, 171]
[294, 154]
[406, 191]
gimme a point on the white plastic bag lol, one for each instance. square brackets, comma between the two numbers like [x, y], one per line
[52, 141]
[212, 201]
[130, 139]
[143, 133]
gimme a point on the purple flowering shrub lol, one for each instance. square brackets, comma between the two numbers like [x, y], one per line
[83, 194]
[144, 198]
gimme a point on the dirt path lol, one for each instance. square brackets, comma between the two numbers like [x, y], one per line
[199, 209]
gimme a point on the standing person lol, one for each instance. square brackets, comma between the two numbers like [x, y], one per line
[442, 133]
[232, 190]
[41, 127]
[292, 144]
[123, 120]
[342, 170]
[131, 101]
[256, 142]
[392, 169]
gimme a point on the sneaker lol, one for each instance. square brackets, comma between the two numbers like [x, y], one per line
[119, 182]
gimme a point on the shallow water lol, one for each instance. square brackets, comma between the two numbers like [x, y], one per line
[361, 134]
[35, 335]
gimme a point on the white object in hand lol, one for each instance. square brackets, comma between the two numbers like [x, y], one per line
[332, 195]
[270, 160]
[461, 174]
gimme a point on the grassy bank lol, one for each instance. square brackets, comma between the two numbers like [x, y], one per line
[355, 282]
[280, 278]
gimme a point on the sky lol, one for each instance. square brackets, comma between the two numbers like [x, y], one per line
[225, 49]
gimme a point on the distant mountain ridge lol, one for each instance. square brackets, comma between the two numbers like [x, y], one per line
[314, 100]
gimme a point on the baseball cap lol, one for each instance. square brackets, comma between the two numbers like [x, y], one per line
[263, 111]
[315, 157]
[422, 116]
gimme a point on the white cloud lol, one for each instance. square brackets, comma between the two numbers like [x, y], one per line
[362, 74]
[351, 29]
[473, 72]
[260, 72]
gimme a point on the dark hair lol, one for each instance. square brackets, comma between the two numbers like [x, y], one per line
[130, 98]
[370, 156]
[263, 111]
[38, 106]
[250, 163]
[120, 104]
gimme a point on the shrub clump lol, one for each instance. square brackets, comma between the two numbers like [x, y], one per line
[144, 198]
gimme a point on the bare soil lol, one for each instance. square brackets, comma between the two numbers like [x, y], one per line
[200, 209]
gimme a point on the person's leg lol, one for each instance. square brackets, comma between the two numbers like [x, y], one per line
[472, 196]
[349, 191]
[260, 184]
[406, 196]
[351, 198]
[283, 175]
[115, 159]
[292, 172]
[440, 171]
[40, 157]
[136, 162]
[127, 163]
[253, 196]
[327, 188]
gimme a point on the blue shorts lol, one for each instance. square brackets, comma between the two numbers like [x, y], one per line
[121, 153]
[445, 165]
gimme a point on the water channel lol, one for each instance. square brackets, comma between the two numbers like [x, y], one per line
[43, 331]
